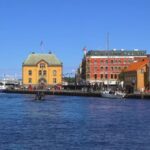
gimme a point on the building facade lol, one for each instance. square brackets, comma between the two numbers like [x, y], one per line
[136, 76]
[42, 69]
[105, 66]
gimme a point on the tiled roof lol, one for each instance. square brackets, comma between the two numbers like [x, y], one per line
[137, 65]
[33, 59]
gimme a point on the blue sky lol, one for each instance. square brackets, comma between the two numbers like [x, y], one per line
[66, 26]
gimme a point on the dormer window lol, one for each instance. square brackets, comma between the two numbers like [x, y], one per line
[42, 65]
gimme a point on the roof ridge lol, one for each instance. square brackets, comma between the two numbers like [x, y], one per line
[33, 59]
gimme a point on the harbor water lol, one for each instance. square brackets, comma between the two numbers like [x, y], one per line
[73, 123]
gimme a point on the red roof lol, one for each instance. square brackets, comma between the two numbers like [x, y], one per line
[137, 65]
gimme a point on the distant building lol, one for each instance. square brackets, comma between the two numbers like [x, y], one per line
[42, 69]
[136, 76]
[104, 66]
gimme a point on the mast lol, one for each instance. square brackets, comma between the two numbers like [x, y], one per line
[107, 41]
[107, 54]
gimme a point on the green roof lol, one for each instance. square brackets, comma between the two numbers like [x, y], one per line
[34, 58]
[116, 53]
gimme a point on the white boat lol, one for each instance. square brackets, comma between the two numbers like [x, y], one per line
[112, 94]
[2, 86]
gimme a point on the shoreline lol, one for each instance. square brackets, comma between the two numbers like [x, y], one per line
[75, 93]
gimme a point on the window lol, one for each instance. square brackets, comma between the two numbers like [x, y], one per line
[111, 76]
[115, 76]
[30, 72]
[95, 62]
[44, 72]
[95, 69]
[95, 76]
[30, 80]
[112, 61]
[106, 76]
[88, 61]
[54, 72]
[54, 80]
[106, 68]
[101, 68]
[101, 76]
[42, 65]
[106, 61]
[88, 69]
[112, 68]
[40, 72]
[87, 76]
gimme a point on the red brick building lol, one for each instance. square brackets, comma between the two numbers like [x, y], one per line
[105, 66]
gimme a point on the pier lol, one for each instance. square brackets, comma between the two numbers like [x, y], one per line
[75, 93]
[56, 92]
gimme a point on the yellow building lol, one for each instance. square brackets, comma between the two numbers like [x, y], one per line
[136, 76]
[42, 69]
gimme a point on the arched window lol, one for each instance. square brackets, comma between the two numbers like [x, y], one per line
[101, 61]
[87, 76]
[30, 80]
[54, 80]
[42, 65]
[111, 76]
[40, 72]
[95, 76]
[30, 72]
[54, 72]
[44, 72]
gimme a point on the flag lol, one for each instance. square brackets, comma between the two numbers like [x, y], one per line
[41, 44]
[84, 49]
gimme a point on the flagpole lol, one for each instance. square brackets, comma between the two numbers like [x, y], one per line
[41, 46]
[85, 51]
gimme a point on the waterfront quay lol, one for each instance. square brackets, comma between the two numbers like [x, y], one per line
[56, 92]
[76, 93]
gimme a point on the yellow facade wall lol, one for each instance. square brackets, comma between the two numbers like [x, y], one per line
[141, 79]
[50, 77]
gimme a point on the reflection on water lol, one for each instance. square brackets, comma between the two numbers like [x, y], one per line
[66, 123]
